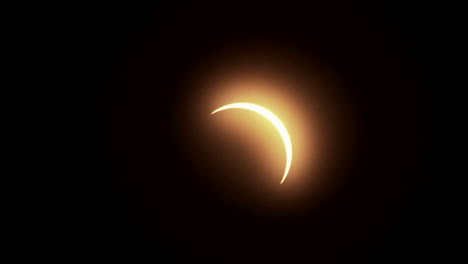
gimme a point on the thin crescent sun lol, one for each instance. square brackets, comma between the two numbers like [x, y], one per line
[274, 120]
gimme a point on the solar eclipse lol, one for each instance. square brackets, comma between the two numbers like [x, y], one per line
[274, 120]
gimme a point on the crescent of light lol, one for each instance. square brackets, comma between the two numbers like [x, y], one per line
[274, 120]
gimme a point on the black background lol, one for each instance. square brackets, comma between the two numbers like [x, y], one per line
[140, 198]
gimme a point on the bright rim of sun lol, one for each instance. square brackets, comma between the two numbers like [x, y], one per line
[274, 120]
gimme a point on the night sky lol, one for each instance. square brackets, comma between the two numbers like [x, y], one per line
[144, 198]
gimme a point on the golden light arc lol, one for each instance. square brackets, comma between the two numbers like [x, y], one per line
[274, 120]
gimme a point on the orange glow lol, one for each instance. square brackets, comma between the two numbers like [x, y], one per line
[239, 154]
